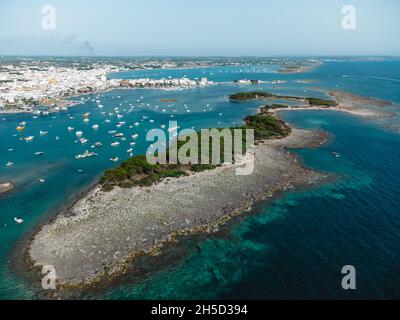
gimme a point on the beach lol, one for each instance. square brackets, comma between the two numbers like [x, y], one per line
[101, 232]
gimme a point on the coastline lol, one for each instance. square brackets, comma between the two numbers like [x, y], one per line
[142, 220]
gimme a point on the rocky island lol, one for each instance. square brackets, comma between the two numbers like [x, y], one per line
[138, 207]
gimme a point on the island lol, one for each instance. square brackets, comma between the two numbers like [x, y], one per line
[138, 207]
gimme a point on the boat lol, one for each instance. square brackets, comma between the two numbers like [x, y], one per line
[83, 140]
[70, 129]
[41, 180]
[115, 159]
[19, 220]
[86, 120]
[336, 154]
[86, 154]
[20, 128]
[134, 136]
[112, 132]
[43, 133]
[9, 164]
[118, 135]
[79, 134]
[29, 138]
[39, 153]
[115, 144]
[86, 115]
[98, 144]
[95, 126]
[129, 150]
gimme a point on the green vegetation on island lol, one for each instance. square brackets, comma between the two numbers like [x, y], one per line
[137, 171]
[246, 96]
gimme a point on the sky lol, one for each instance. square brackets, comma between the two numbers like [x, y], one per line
[199, 28]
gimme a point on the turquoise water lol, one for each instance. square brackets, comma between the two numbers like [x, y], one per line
[292, 248]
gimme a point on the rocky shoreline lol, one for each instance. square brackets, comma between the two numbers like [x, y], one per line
[94, 238]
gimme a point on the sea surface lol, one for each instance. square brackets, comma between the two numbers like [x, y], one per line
[294, 247]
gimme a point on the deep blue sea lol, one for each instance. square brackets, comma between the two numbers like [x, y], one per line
[294, 247]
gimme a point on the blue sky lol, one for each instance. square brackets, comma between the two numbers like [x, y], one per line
[202, 27]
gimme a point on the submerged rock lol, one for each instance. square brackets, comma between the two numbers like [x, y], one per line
[6, 187]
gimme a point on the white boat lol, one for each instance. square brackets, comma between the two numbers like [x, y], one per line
[43, 133]
[41, 180]
[95, 126]
[9, 164]
[70, 129]
[129, 150]
[19, 220]
[86, 120]
[118, 135]
[39, 153]
[115, 159]
[29, 138]
[86, 154]
[115, 144]
[79, 134]
[83, 140]
[134, 136]
[112, 131]
[98, 144]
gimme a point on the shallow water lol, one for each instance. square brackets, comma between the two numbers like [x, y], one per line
[292, 249]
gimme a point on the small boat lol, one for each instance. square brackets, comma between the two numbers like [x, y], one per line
[86, 120]
[86, 115]
[115, 144]
[95, 126]
[115, 159]
[79, 171]
[86, 154]
[98, 144]
[19, 220]
[134, 136]
[112, 132]
[129, 150]
[118, 135]
[41, 180]
[136, 124]
[39, 153]
[43, 133]
[20, 128]
[83, 140]
[79, 134]
[29, 138]
[336, 154]
[9, 164]
[10, 150]
[70, 129]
